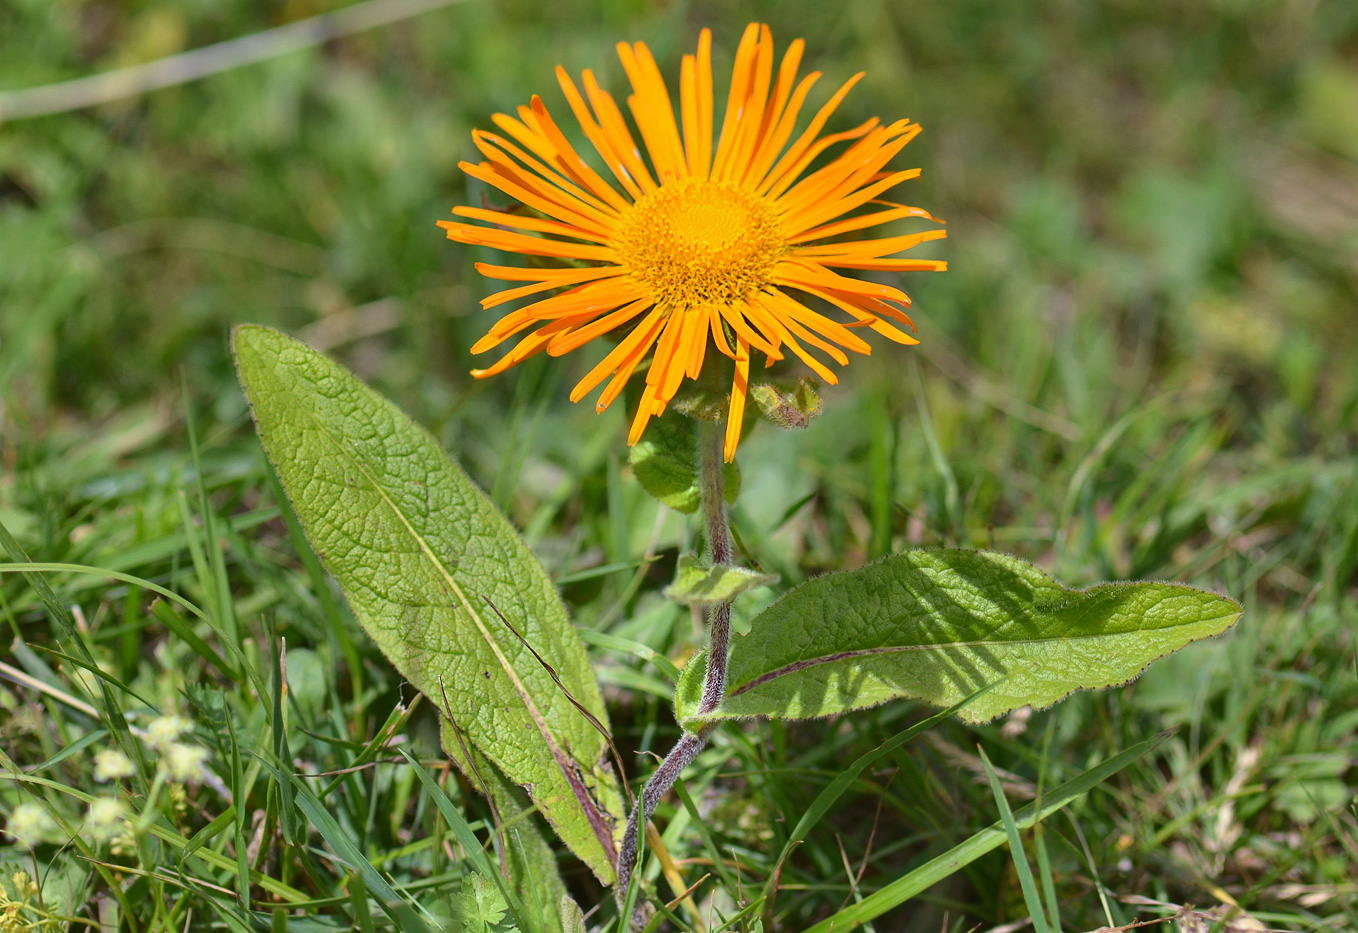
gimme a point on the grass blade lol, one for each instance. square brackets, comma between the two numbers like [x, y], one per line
[1025, 871]
[988, 839]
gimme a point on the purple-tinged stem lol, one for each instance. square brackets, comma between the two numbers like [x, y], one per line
[720, 552]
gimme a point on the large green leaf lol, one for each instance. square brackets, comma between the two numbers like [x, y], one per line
[440, 580]
[937, 625]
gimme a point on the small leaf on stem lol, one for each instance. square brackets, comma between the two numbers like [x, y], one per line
[700, 584]
[665, 462]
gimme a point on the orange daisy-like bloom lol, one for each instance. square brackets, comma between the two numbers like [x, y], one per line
[702, 240]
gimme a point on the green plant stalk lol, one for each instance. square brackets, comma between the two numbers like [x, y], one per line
[720, 552]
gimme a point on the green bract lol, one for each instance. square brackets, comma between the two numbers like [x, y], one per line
[936, 625]
[437, 577]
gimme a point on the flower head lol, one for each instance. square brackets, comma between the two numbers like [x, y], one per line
[111, 764]
[726, 232]
[184, 762]
[164, 730]
[30, 824]
[105, 818]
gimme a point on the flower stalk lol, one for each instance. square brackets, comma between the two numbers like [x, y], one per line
[720, 553]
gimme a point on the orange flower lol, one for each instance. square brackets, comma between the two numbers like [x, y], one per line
[702, 240]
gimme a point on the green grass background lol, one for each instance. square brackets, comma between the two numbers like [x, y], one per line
[1141, 364]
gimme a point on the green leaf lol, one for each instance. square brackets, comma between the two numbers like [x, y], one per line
[700, 584]
[665, 462]
[572, 917]
[437, 576]
[480, 907]
[936, 625]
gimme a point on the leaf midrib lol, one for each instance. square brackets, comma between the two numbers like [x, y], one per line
[838, 656]
[557, 752]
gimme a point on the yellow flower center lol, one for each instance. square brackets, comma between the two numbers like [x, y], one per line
[698, 243]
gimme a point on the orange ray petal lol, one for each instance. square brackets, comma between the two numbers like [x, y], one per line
[640, 336]
[527, 274]
[556, 151]
[718, 332]
[525, 222]
[540, 179]
[697, 343]
[570, 160]
[743, 330]
[773, 143]
[865, 315]
[597, 296]
[869, 249]
[644, 412]
[828, 210]
[861, 222]
[596, 135]
[528, 346]
[836, 331]
[688, 114]
[735, 100]
[625, 368]
[615, 128]
[589, 300]
[799, 148]
[889, 265]
[532, 345]
[739, 386]
[522, 243]
[794, 328]
[521, 188]
[571, 277]
[565, 343]
[664, 350]
[749, 123]
[820, 368]
[852, 169]
[800, 272]
[654, 114]
[776, 185]
[778, 97]
[500, 150]
[705, 100]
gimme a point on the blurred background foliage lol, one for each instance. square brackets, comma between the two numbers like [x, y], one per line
[1140, 364]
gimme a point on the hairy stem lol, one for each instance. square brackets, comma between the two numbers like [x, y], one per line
[679, 758]
[720, 552]
[712, 477]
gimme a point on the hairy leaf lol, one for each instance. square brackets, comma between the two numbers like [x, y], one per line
[937, 625]
[665, 462]
[699, 584]
[437, 577]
